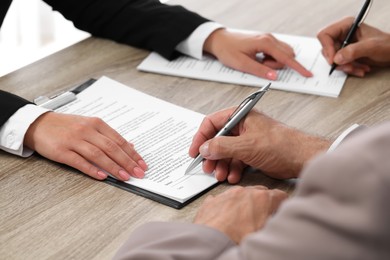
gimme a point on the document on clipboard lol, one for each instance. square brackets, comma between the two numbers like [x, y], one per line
[161, 132]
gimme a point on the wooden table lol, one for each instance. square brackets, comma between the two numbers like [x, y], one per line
[48, 210]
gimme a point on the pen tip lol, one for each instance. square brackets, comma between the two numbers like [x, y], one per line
[188, 170]
[265, 88]
[332, 69]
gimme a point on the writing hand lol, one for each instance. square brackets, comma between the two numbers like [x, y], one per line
[239, 51]
[85, 143]
[371, 47]
[239, 211]
[258, 141]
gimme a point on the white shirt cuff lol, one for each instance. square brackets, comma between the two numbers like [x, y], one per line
[193, 45]
[342, 137]
[13, 131]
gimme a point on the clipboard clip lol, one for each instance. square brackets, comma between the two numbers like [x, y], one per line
[62, 98]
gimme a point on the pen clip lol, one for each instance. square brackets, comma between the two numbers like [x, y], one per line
[243, 103]
[369, 3]
[249, 99]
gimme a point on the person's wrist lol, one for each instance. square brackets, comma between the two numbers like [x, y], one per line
[294, 149]
[221, 228]
[211, 44]
[308, 146]
[29, 140]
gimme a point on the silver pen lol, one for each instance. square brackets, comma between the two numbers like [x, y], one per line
[242, 110]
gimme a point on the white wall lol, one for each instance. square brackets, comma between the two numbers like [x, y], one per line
[31, 31]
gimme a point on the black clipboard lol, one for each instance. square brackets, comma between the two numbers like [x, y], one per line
[154, 196]
[64, 98]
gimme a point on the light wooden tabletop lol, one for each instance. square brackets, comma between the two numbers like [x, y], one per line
[48, 210]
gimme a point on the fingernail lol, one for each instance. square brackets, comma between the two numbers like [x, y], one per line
[124, 175]
[102, 174]
[143, 165]
[309, 74]
[204, 150]
[138, 172]
[339, 59]
[272, 75]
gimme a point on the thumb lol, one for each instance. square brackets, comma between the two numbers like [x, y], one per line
[223, 147]
[352, 52]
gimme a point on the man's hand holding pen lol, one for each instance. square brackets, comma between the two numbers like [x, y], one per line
[257, 141]
[233, 120]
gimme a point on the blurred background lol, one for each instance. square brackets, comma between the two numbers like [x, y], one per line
[31, 31]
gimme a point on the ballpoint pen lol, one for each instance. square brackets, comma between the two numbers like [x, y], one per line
[358, 21]
[242, 110]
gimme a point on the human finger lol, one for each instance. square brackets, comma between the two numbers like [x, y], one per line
[277, 197]
[328, 47]
[210, 125]
[257, 187]
[236, 169]
[116, 155]
[277, 49]
[252, 66]
[108, 149]
[209, 166]
[273, 64]
[117, 147]
[291, 63]
[223, 147]
[331, 37]
[221, 170]
[98, 157]
[355, 51]
[76, 161]
[355, 69]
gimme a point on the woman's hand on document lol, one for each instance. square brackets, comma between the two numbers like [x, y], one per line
[258, 141]
[371, 47]
[240, 51]
[85, 143]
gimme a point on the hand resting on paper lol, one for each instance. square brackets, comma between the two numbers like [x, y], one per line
[239, 51]
[258, 141]
[371, 47]
[85, 143]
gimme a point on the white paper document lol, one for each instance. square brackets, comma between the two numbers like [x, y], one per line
[161, 132]
[308, 53]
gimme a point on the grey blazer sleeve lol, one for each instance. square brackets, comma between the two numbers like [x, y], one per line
[340, 210]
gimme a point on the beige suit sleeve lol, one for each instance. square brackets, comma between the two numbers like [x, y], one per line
[162, 241]
[340, 210]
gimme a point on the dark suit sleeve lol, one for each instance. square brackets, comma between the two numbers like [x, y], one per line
[146, 24]
[4, 5]
[9, 104]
